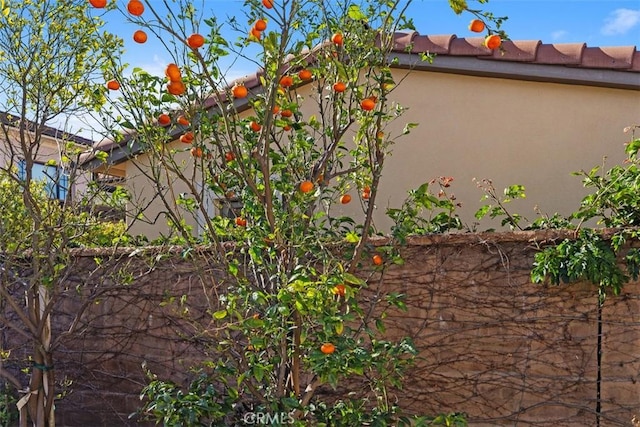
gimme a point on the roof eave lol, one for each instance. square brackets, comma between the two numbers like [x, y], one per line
[475, 66]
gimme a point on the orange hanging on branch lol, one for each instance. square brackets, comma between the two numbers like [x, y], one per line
[195, 41]
[173, 72]
[306, 186]
[176, 88]
[476, 25]
[164, 119]
[239, 91]
[327, 348]
[113, 85]
[260, 25]
[493, 41]
[140, 36]
[135, 7]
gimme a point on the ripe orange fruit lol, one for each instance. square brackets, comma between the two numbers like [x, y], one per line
[366, 195]
[267, 3]
[135, 7]
[113, 85]
[229, 156]
[194, 41]
[255, 33]
[286, 113]
[164, 119]
[340, 290]
[286, 127]
[187, 137]
[493, 41]
[140, 36]
[337, 39]
[255, 126]
[368, 104]
[196, 152]
[241, 222]
[305, 75]
[339, 87]
[306, 186]
[275, 109]
[176, 88]
[239, 91]
[476, 25]
[183, 121]
[377, 259]
[286, 81]
[327, 348]
[345, 198]
[260, 25]
[173, 72]
[99, 4]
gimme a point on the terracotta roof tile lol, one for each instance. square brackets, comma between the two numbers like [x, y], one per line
[470, 46]
[518, 51]
[560, 53]
[636, 62]
[433, 44]
[402, 40]
[608, 57]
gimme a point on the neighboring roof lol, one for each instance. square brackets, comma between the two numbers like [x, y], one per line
[570, 63]
[13, 121]
[567, 63]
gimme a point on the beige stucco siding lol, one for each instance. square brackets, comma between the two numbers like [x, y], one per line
[49, 148]
[509, 131]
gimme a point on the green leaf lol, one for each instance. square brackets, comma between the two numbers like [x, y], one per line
[355, 13]
[219, 315]
[352, 237]
[351, 279]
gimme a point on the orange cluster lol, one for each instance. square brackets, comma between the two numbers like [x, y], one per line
[258, 27]
[366, 192]
[175, 86]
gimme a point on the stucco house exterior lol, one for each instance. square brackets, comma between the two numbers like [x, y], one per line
[49, 145]
[530, 114]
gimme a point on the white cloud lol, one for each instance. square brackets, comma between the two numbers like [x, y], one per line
[620, 21]
[559, 35]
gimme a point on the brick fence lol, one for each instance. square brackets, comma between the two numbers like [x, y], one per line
[492, 344]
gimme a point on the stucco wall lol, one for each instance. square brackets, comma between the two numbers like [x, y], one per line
[49, 149]
[510, 131]
[491, 344]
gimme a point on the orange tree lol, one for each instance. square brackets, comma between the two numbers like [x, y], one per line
[279, 155]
